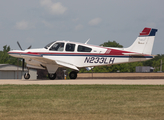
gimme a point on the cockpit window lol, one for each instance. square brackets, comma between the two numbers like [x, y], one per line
[83, 49]
[70, 47]
[47, 46]
[57, 47]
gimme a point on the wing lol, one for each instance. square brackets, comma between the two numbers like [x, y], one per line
[38, 60]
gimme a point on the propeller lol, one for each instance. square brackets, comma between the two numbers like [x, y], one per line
[29, 47]
[19, 45]
[23, 60]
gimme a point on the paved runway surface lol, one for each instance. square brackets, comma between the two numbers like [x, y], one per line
[85, 82]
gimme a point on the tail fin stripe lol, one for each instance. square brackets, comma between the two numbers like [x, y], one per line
[153, 32]
[148, 32]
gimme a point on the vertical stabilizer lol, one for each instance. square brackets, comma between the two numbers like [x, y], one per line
[144, 42]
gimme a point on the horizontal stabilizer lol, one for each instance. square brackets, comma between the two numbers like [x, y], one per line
[133, 54]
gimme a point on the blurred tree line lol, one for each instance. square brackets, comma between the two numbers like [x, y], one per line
[5, 58]
[126, 67]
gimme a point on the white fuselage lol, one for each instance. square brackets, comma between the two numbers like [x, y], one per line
[97, 56]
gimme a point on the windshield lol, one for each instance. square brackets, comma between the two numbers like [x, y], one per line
[57, 46]
[47, 46]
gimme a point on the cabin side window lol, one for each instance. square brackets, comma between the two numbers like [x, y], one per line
[70, 47]
[83, 49]
[57, 47]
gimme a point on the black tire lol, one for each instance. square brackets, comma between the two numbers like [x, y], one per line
[73, 75]
[52, 76]
[26, 76]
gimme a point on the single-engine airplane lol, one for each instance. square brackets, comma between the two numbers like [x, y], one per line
[77, 55]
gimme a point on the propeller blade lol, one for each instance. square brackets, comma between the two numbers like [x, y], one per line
[29, 47]
[19, 45]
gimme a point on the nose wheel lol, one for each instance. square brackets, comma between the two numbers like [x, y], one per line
[26, 76]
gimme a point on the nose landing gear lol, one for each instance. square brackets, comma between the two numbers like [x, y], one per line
[27, 76]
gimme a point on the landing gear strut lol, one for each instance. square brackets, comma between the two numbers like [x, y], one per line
[73, 75]
[51, 76]
[26, 76]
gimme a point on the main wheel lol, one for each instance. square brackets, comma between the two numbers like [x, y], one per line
[73, 75]
[27, 76]
[52, 76]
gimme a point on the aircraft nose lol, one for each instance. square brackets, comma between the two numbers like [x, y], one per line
[11, 53]
[14, 53]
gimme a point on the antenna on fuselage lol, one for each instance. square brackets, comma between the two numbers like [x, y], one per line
[87, 41]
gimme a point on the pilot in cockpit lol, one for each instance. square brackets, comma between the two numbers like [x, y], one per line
[61, 46]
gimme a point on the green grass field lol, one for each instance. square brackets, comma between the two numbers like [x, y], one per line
[81, 102]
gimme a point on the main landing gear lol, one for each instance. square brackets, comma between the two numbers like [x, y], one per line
[72, 75]
[52, 76]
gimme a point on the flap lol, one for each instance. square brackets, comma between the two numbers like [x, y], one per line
[67, 65]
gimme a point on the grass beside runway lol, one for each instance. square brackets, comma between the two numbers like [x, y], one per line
[83, 102]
